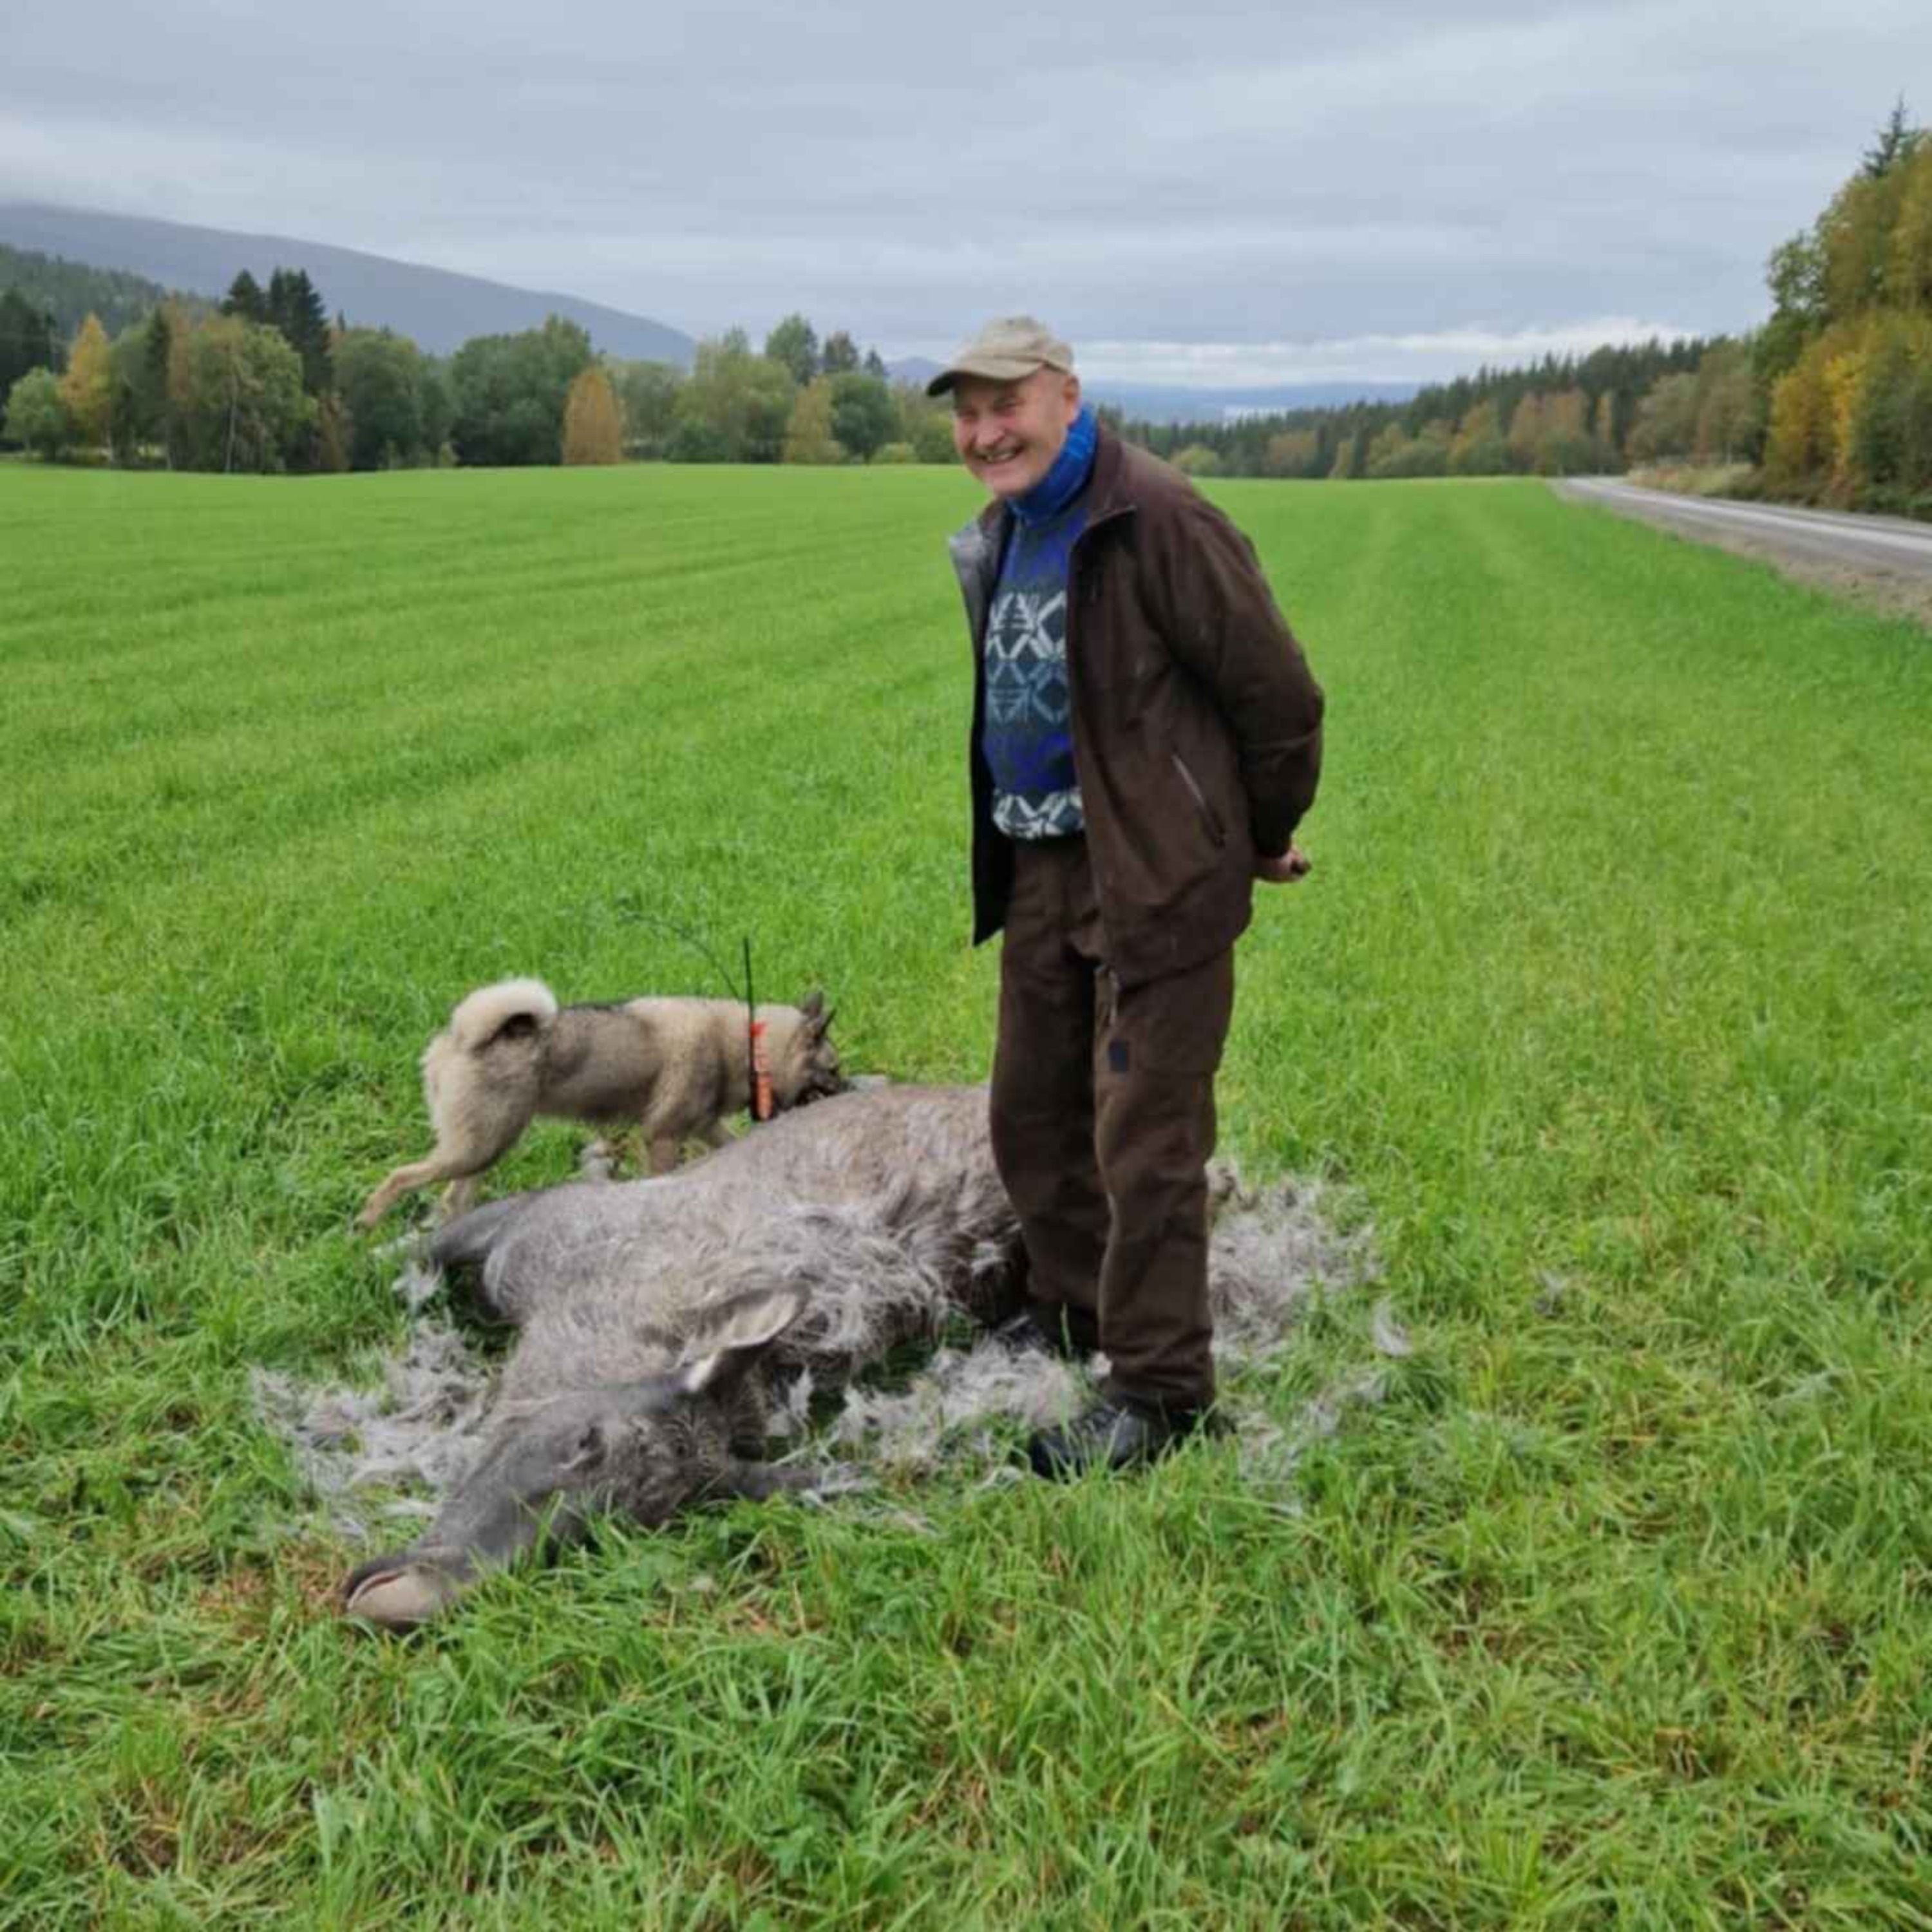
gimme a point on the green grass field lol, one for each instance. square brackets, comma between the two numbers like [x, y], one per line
[1610, 1004]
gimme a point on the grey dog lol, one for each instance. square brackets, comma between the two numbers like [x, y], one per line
[676, 1067]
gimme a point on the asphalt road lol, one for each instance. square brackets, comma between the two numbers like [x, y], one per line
[1889, 545]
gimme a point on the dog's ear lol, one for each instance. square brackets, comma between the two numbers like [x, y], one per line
[820, 1028]
[813, 1003]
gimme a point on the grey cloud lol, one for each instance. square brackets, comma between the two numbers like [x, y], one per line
[1219, 173]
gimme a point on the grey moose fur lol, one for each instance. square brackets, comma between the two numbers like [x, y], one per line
[652, 1313]
[668, 1325]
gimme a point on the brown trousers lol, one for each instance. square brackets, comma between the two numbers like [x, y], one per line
[1103, 1121]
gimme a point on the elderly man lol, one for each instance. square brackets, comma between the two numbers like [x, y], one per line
[1146, 736]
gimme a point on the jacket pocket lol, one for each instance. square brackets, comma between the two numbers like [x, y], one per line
[1210, 816]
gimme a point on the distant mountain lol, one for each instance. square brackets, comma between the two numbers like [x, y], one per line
[1173, 403]
[438, 310]
[70, 291]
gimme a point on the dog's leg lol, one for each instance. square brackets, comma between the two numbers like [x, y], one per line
[458, 1197]
[417, 1174]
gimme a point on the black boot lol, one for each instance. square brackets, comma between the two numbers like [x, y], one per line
[1117, 1433]
[1051, 1328]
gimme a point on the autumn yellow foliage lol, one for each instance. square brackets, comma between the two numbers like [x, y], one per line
[1799, 446]
[593, 423]
[1842, 376]
[87, 388]
[808, 437]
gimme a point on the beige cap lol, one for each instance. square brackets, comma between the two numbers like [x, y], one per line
[1008, 348]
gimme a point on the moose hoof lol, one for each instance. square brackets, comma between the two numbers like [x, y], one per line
[396, 1596]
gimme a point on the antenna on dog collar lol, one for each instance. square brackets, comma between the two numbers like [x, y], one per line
[757, 1061]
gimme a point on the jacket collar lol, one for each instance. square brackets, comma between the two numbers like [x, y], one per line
[1109, 494]
[977, 546]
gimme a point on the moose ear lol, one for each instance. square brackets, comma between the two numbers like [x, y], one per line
[731, 1336]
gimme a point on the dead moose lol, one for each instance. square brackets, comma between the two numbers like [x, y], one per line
[652, 1314]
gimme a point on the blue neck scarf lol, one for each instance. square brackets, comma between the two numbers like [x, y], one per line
[1068, 477]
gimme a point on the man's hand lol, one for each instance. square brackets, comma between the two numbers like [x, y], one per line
[1292, 864]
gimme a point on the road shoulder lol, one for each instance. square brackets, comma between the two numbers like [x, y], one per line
[1897, 591]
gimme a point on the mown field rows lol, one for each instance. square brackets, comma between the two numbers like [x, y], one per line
[1607, 1006]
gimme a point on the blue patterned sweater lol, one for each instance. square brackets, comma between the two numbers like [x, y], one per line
[1028, 737]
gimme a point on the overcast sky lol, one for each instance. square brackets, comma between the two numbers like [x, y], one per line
[1203, 191]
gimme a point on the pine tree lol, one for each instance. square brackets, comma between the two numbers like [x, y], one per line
[151, 404]
[244, 298]
[294, 306]
[27, 339]
[1896, 141]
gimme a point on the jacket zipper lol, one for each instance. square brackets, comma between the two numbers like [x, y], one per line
[1207, 812]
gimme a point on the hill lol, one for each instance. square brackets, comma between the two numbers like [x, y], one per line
[72, 291]
[438, 310]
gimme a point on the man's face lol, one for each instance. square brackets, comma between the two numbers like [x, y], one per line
[1008, 434]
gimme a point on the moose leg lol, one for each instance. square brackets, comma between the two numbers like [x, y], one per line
[758, 1482]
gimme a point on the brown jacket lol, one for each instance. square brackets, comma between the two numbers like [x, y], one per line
[1197, 726]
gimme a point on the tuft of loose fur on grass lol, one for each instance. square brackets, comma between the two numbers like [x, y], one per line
[1272, 1250]
[420, 1429]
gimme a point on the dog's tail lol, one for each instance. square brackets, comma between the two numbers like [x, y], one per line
[511, 1009]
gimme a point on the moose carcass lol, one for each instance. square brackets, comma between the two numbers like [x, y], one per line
[652, 1314]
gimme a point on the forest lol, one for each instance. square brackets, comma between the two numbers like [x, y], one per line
[1829, 400]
